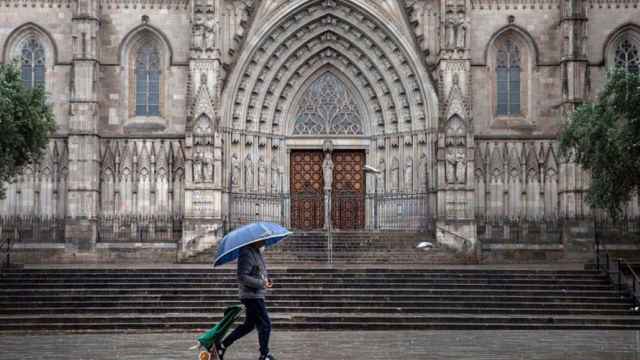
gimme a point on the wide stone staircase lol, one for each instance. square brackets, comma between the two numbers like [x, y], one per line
[350, 248]
[356, 298]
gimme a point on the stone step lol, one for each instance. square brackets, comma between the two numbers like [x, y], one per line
[202, 326]
[395, 304]
[314, 298]
[299, 283]
[310, 288]
[309, 291]
[230, 270]
[442, 309]
[330, 320]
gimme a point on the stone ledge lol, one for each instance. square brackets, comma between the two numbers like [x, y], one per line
[136, 245]
[522, 247]
[37, 246]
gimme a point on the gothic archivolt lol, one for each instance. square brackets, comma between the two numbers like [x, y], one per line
[309, 30]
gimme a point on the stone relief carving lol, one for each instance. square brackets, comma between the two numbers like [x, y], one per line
[423, 173]
[235, 171]
[248, 174]
[210, 30]
[395, 173]
[327, 171]
[198, 175]
[408, 175]
[455, 30]
[300, 51]
[197, 41]
[262, 175]
[380, 176]
[275, 177]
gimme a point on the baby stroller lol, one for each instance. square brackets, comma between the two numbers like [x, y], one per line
[208, 340]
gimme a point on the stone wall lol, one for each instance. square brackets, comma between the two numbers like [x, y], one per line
[236, 76]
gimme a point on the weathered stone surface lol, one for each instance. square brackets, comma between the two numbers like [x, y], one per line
[239, 86]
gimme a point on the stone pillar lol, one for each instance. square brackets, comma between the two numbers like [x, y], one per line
[83, 178]
[455, 222]
[203, 223]
[578, 231]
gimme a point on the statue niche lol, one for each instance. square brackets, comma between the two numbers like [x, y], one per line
[456, 152]
[203, 162]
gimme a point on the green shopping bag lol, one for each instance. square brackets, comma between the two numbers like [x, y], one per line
[209, 338]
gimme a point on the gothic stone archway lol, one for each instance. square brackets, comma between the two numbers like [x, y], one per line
[329, 185]
[315, 41]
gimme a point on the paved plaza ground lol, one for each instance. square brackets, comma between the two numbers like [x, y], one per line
[411, 345]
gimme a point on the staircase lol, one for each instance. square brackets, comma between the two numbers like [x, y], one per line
[350, 248]
[313, 299]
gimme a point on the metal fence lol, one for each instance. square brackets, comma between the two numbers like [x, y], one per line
[33, 228]
[246, 208]
[519, 230]
[372, 212]
[620, 231]
[140, 228]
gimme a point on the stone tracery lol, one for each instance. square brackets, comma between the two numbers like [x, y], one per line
[374, 48]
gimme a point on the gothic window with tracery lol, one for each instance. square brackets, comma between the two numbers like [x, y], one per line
[32, 63]
[508, 70]
[147, 74]
[327, 107]
[626, 55]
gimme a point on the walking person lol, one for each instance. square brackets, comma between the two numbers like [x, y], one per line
[253, 284]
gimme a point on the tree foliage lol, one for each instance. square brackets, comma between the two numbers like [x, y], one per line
[26, 121]
[604, 138]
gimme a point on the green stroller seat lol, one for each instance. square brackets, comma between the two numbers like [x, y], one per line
[209, 339]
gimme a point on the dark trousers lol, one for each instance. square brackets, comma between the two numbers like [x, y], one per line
[256, 316]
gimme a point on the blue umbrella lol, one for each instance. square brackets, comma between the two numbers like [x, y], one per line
[229, 247]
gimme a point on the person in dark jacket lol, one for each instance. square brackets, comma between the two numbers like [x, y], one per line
[253, 283]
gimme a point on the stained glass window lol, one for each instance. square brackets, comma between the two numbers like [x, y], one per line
[508, 78]
[147, 72]
[327, 107]
[626, 55]
[32, 63]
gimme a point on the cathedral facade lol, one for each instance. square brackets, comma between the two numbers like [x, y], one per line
[178, 120]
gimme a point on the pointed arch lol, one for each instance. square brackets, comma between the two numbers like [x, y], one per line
[622, 47]
[35, 50]
[511, 57]
[145, 57]
[285, 33]
[142, 30]
[27, 30]
[329, 103]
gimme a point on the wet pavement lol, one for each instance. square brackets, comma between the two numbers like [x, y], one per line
[330, 345]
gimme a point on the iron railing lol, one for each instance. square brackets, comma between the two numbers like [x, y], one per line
[619, 271]
[34, 228]
[372, 212]
[401, 212]
[6, 243]
[140, 228]
[246, 208]
[517, 230]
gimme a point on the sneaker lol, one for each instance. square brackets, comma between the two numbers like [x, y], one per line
[267, 357]
[220, 350]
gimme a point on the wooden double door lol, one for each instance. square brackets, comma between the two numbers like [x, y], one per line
[308, 201]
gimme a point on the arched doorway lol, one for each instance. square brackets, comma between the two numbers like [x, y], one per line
[316, 72]
[327, 185]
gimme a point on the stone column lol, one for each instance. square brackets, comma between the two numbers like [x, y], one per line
[83, 178]
[203, 223]
[455, 222]
[578, 231]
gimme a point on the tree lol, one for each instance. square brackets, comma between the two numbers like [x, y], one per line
[604, 138]
[26, 121]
